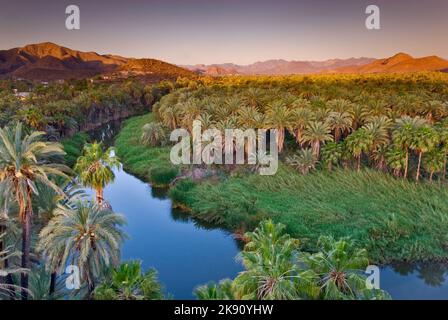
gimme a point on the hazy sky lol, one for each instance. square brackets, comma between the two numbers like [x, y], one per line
[243, 31]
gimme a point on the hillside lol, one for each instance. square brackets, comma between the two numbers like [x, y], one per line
[49, 61]
[399, 63]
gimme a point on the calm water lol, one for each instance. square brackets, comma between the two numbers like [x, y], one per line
[187, 254]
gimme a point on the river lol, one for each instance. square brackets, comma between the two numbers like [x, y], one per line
[187, 253]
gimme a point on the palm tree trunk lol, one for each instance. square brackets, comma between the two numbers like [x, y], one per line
[431, 175]
[359, 163]
[406, 164]
[418, 166]
[99, 195]
[26, 239]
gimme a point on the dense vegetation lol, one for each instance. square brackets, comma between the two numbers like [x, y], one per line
[276, 269]
[62, 109]
[352, 147]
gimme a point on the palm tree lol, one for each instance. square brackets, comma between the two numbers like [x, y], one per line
[359, 142]
[338, 266]
[316, 133]
[339, 122]
[299, 120]
[396, 160]
[216, 291]
[153, 134]
[424, 140]
[267, 257]
[8, 288]
[278, 117]
[128, 282]
[95, 168]
[434, 162]
[304, 161]
[331, 154]
[404, 133]
[84, 234]
[24, 162]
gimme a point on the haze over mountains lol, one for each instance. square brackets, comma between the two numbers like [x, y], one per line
[49, 61]
[399, 63]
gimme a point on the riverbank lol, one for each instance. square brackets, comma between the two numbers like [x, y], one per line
[394, 220]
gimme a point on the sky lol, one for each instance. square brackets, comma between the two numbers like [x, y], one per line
[237, 31]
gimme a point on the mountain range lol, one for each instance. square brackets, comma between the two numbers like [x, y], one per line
[49, 61]
[399, 63]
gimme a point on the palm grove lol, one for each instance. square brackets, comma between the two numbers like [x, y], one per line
[393, 124]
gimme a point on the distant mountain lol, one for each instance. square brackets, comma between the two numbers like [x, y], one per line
[49, 61]
[399, 63]
[278, 67]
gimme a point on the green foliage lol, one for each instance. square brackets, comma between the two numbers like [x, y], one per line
[162, 176]
[73, 147]
[275, 269]
[128, 282]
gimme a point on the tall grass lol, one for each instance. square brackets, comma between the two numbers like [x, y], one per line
[393, 219]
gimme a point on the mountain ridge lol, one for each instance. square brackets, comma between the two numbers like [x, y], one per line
[49, 61]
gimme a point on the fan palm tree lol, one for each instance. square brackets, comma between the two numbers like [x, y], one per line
[95, 167]
[24, 162]
[128, 282]
[316, 133]
[216, 291]
[267, 257]
[338, 266]
[86, 235]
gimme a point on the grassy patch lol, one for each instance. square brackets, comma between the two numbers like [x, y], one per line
[152, 164]
[392, 219]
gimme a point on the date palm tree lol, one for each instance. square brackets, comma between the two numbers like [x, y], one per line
[434, 162]
[339, 122]
[304, 161]
[24, 163]
[403, 135]
[317, 133]
[300, 118]
[278, 117]
[424, 140]
[85, 235]
[359, 142]
[396, 160]
[95, 167]
[331, 154]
